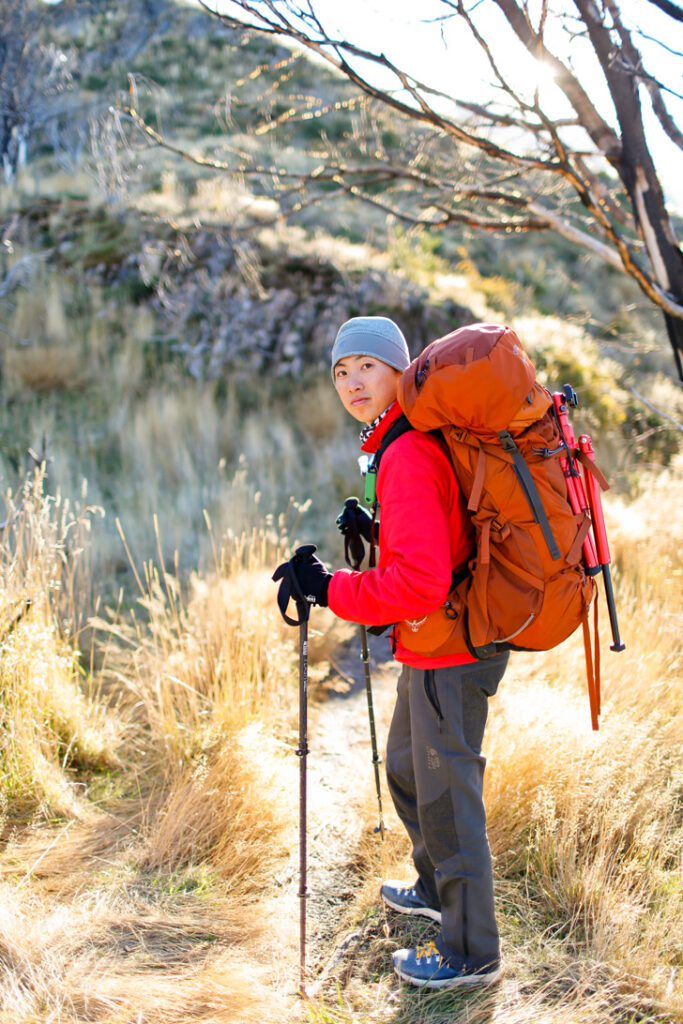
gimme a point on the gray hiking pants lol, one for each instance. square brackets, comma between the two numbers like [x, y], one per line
[435, 771]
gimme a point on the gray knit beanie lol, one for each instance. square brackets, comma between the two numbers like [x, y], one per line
[371, 336]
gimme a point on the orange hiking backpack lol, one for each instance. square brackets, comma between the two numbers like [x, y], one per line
[529, 583]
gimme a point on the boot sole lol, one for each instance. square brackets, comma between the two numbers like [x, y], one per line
[461, 981]
[433, 915]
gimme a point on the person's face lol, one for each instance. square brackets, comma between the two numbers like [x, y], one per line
[366, 386]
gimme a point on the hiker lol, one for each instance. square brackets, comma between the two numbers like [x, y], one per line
[434, 763]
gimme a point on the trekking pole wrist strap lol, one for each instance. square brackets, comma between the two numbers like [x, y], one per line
[290, 587]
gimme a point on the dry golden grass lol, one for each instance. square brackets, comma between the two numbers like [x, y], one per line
[201, 660]
[230, 811]
[45, 368]
[49, 724]
[150, 911]
[124, 952]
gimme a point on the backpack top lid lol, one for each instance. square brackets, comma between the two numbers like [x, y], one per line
[477, 377]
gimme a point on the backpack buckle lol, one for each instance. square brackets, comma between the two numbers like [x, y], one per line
[507, 441]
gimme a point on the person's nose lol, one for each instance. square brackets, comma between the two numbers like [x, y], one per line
[355, 382]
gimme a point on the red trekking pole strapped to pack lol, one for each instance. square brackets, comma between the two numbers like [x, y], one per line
[584, 498]
[576, 493]
[595, 502]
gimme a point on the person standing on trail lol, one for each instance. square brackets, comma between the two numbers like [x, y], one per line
[434, 764]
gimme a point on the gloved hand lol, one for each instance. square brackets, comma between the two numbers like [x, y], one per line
[313, 578]
[353, 517]
[304, 578]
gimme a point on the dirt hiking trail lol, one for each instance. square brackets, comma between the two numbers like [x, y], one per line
[341, 786]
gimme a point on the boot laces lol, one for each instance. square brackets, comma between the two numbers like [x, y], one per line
[429, 951]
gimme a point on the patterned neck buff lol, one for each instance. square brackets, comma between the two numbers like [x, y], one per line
[367, 430]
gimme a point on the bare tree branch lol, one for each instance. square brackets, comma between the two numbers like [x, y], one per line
[600, 132]
[653, 408]
[508, 163]
[673, 10]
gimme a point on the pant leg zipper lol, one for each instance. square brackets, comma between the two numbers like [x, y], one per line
[432, 696]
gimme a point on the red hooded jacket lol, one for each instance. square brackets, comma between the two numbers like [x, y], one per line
[425, 534]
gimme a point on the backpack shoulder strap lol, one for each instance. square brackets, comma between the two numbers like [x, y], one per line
[401, 426]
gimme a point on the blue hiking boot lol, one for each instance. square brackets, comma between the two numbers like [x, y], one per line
[405, 899]
[424, 966]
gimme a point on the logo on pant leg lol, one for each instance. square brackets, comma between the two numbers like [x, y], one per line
[433, 759]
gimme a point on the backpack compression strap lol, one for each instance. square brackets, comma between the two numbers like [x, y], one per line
[530, 492]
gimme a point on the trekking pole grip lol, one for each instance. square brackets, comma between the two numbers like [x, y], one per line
[290, 587]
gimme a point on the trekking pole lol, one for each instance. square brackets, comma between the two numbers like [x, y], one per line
[581, 507]
[596, 551]
[354, 552]
[595, 501]
[575, 491]
[289, 587]
[302, 754]
[376, 759]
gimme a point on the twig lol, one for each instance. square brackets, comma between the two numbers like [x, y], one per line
[659, 412]
[352, 939]
[342, 675]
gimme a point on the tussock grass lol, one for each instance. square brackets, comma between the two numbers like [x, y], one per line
[209, 674]
[124, 953]
[50, 723]
[202, 660]
[231, 811]
[45, 368]
[150, 911]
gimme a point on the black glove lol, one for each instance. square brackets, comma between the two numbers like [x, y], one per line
[313, 578]
[354, 518]
[356, 525]
[304, 578]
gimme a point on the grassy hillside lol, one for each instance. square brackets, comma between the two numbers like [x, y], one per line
[167, 434]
